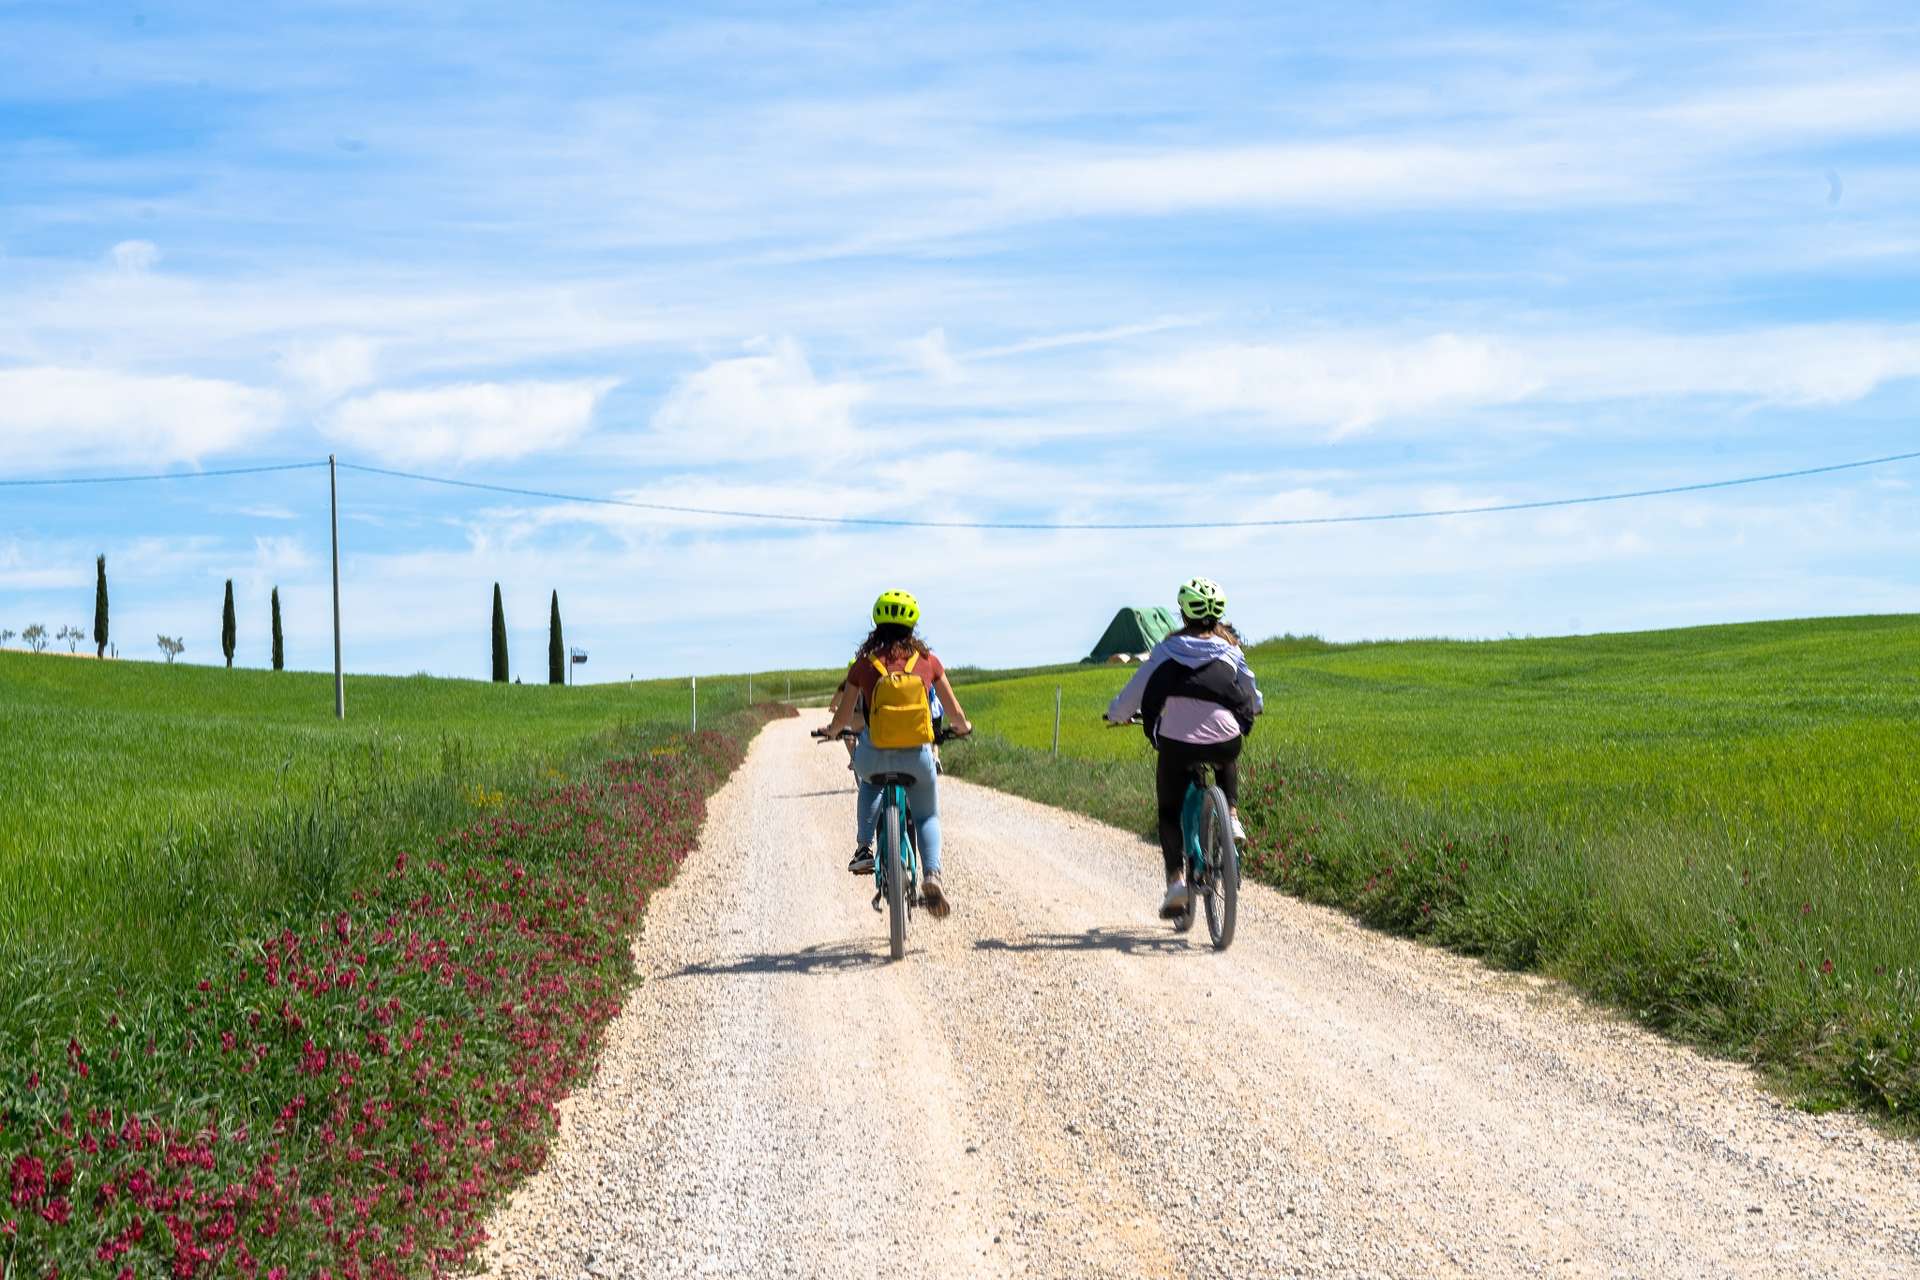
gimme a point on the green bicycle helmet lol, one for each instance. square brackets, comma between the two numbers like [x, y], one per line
[1202, 600]
[898, 607]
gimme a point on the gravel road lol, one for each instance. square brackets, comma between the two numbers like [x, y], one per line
[1053, 1084]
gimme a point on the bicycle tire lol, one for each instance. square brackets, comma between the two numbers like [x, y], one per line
[896, 884]
[1223, 857]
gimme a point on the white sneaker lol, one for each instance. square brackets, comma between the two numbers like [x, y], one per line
[1239, 832]
[934, 894]
[1174, 904]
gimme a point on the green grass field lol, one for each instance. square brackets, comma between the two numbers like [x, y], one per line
[154, 811]
[1713, 828]
[1716, 828]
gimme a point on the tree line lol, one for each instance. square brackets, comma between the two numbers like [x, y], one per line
[556, 642]
[35, 636]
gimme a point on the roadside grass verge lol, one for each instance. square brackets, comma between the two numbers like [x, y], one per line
[152, 811]
[1711, 829]
[348, 1092]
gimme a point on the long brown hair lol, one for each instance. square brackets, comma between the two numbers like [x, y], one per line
[890, 639]
[1213, 627]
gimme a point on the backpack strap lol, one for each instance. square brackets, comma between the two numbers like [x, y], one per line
[911, 659]
[878, 665]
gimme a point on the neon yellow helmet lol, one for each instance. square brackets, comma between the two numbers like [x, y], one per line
[1202, 600]
[897, 607]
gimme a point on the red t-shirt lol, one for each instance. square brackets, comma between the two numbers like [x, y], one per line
[863, 676]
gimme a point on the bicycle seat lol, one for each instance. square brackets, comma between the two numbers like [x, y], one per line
[891, 779]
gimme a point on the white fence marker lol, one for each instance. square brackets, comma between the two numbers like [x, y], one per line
[1056, 722]
[693, 684]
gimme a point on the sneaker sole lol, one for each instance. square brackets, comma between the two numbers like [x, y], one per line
[937, 905]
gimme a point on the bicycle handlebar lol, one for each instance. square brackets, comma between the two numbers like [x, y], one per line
[942, 734]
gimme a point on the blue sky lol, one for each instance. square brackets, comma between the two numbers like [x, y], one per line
[974, 262]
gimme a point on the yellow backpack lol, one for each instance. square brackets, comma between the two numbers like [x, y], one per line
[897, 713]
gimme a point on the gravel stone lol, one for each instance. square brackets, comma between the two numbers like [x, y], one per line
[1053, 1084]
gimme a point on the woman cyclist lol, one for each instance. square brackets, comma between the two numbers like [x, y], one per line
[893, 647]
[1196, 698]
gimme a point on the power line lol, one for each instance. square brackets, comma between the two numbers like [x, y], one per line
[169, 475]
[1005, 525]
[1120, 526]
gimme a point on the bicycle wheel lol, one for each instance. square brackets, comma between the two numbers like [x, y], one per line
[1223, 867]
[896, 874]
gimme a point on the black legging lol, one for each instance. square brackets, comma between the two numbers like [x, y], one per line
[1170, 788]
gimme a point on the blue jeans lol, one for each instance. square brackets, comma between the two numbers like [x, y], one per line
[923, 797]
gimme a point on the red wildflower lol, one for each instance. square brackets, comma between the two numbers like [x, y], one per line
[26, 1181]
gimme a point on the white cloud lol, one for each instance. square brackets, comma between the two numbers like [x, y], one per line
[467, 422]
[1341, 384]
[53, 418]
[766, 404]
[328, 368]
[1335, 386]
[932, 356]
[1861, 105]
[1330, 175]
[276, 559]
[134, 257]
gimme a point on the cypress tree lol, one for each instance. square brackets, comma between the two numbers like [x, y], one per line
[279, 641]
[499, 638]
[227, 628]
[556, 651]
[100, 607]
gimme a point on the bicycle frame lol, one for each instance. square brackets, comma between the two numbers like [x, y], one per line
[1192, 811]
[893, 794]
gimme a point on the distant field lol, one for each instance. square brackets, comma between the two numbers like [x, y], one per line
[1718, 828]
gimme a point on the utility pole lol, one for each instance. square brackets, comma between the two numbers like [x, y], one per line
[333, 505]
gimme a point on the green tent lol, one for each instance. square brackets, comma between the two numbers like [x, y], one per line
[1132, 635]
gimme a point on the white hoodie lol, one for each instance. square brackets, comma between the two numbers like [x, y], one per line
[1190, 720]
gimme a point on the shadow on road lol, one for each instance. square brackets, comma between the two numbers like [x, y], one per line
[823, 957]
[1127, 939]
[809, 795]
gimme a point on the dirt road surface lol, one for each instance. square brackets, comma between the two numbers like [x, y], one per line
[1053, 1084]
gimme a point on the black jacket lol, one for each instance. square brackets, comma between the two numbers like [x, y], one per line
[1211, 682]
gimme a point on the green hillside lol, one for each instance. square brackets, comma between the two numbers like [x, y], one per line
[1717, 828]
[153, 810]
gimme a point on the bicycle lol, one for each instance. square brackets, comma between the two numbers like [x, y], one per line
[1213, 859]
[896, 857]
